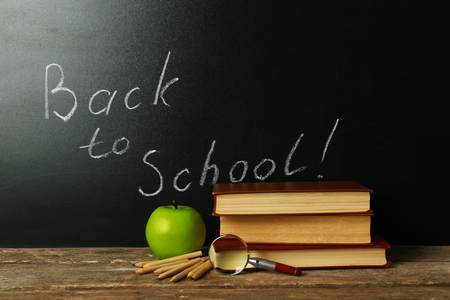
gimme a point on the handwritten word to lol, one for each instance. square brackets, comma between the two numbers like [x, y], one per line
[211, 166]
[61, 89]
[115, 150]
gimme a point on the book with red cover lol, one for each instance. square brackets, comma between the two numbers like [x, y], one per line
[319, 256]
[304, 186]
[290, 198]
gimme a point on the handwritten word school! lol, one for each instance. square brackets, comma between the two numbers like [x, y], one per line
[121, 146]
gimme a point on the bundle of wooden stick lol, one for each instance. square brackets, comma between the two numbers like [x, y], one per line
[191, 265]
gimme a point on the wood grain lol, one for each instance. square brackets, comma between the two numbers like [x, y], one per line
[87, 273]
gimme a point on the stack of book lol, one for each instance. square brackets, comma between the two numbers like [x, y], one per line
[302, 224]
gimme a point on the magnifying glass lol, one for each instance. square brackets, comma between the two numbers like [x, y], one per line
[229, 254]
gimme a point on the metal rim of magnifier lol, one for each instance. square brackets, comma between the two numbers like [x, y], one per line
[243, 243]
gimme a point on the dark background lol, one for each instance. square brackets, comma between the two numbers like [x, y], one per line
[253, 76]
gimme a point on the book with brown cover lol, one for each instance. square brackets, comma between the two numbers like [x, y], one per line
[318, 256]
[348, 228]
[290, 198]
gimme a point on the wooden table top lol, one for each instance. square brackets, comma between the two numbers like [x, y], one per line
[107, 273]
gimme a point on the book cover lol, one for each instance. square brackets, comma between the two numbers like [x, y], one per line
[301, 186]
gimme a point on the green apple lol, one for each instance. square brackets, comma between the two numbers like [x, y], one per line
[175, 230]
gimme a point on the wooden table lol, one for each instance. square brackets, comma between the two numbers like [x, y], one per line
[107, 273]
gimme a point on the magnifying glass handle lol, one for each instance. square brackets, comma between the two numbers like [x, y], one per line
[274, 266]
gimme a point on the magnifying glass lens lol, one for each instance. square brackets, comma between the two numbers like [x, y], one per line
[228, 254]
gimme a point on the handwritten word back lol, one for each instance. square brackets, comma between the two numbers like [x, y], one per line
[60, 88]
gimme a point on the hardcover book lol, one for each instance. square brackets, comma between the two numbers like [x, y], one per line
[314, 256]
[290, 198]
[351, 228]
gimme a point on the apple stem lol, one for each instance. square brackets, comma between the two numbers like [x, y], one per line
[175, 204]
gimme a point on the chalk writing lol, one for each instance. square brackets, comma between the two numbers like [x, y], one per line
[175, 181]
[289, 157]
[121, 145]
[208, 166]
[108, 106]
[328, 142]
[59, 88]
[160, 188]
[272, 169]
[160, 90]
[127, 96]
[244, 172]
[114, 146]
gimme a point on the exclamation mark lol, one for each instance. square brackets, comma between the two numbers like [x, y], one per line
[327, 143]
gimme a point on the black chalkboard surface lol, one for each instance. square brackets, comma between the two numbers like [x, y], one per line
[109, 109]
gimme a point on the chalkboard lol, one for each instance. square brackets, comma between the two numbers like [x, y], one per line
[109, 109]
